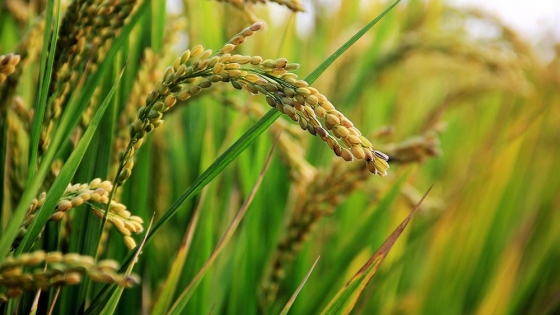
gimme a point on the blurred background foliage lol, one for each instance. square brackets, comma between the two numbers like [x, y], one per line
[476, 117]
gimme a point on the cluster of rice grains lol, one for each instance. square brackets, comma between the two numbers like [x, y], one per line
[86, 32]
[305, 105]
[8, 65]
[151, 69]
[272, 78]
[96, 195]
[40, 271]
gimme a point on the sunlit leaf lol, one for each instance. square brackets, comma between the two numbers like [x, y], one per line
[344, 301]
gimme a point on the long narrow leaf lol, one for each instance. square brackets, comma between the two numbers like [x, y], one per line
[165, 298]
[292, 299]
[344, 301]
[47, 62]
[325, 64]
[183, 299]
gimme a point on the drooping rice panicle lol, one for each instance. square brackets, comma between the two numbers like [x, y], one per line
[96, 195]
[272, 78]
[40, 271]
[173, 87]
[87, 29]
[151, 69]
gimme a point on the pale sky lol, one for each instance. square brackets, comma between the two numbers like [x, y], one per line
[532, 18]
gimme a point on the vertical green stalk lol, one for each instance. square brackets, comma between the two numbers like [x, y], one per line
[3, 152]
[47, 61]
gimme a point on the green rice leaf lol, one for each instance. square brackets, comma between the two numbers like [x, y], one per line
[292, 299]
[185, 296]
[325, 64]
[47, 62]
[165, 298]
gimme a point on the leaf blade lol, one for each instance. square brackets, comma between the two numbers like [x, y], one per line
[165, 298]
[325, 64]
[292, 299]
[185, 296]
[346, 298]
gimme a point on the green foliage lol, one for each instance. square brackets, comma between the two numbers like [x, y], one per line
[237, 229]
